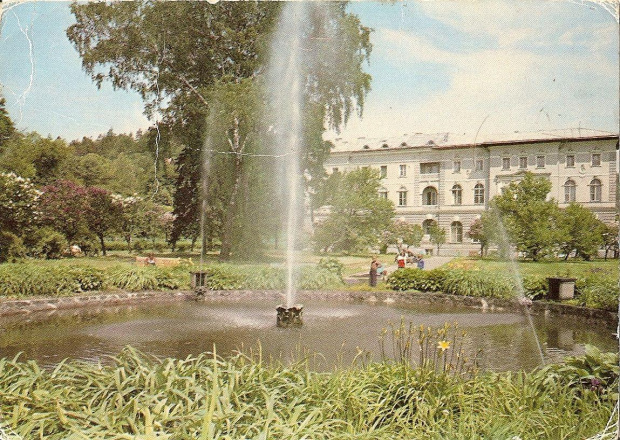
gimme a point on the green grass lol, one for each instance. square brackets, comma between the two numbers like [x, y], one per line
[569, 268]
[205, 397]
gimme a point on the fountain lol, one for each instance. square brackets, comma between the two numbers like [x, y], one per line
[284, 83]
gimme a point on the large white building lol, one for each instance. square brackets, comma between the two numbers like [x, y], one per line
[449, 180]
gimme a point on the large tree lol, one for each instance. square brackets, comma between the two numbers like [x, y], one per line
[529, 219]
[358, 215]
[177, 54]
[580, 232]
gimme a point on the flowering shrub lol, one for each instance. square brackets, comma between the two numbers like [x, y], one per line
[18, 203]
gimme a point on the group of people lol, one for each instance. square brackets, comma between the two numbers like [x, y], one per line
[402, 259]
[406, 257]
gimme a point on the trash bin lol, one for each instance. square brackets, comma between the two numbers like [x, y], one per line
[561, 288]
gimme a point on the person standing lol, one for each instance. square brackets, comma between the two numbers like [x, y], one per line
[374, 265]
[421, 263]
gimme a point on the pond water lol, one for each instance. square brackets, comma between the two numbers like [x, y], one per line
[333, 329]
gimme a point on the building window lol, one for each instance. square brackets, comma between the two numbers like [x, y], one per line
[596, 159]
[429, 196]
[595, 190]
[570, 160]
[427, 224]
[456, 166]
[402, 171]
[479, 194]
[383, 171]
[570, 191]
[457, 194]
[505, 163]
[383, 194]
[540, 161]
[402, 197]
[479, 164]
[429, 168]
[456, 232]
[523, 162]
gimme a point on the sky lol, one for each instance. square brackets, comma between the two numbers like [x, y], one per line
[466, 67]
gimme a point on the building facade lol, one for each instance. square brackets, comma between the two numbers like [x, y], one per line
[451, 182]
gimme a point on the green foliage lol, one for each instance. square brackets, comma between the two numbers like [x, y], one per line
[598, 293]
[358, 216]
[416, 279]
[11, 247]
[331, 264]
[535, 287]
[312, 278]
[402, 233]
[595, 371]
[24, 280]
[437, 235]
[581, 231]
[206, 397]
[147, 278]
[478, 284]
[49, 244]
[529, 219]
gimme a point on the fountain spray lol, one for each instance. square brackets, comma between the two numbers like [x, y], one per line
[285, 90]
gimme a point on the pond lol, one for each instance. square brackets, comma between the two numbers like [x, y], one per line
[334, 329]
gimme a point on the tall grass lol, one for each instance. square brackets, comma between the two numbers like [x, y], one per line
[205, 397]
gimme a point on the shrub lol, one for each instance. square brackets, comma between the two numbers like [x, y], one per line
[478, 284]
[535, 287]
[88, 278]
[49, 244]
[31, 280]
[599, 294]
[11, 247]
[331, 264]
[314, 278]
[416, 279]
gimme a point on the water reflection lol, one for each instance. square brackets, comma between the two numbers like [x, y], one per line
[335, 330]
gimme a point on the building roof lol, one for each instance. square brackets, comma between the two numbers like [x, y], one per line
[456, 140]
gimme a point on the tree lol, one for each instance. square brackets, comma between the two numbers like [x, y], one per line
[7, 128]
[401, 233]
[610, 240]
[358, 215]
[63, 206]
[35, 157]
[530, 220]
[102, 213]
[581, 232]
[179, 55]
[437, 235]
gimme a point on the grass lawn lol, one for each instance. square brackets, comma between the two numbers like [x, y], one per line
[569, 268]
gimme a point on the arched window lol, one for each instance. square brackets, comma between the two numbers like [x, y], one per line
[570, 191]
[479, 194]
[457, 194]
[595, 190]
[456, 232]
[426, 225]
[429, 196]
[402, 196]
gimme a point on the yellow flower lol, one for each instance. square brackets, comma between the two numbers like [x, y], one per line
[443, 345]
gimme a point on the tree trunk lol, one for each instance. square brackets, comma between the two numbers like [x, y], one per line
[102, 241]
[231, 212]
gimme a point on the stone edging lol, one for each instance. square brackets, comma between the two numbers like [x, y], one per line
[25, 306]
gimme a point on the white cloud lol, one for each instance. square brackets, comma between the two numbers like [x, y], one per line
[513, 89]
